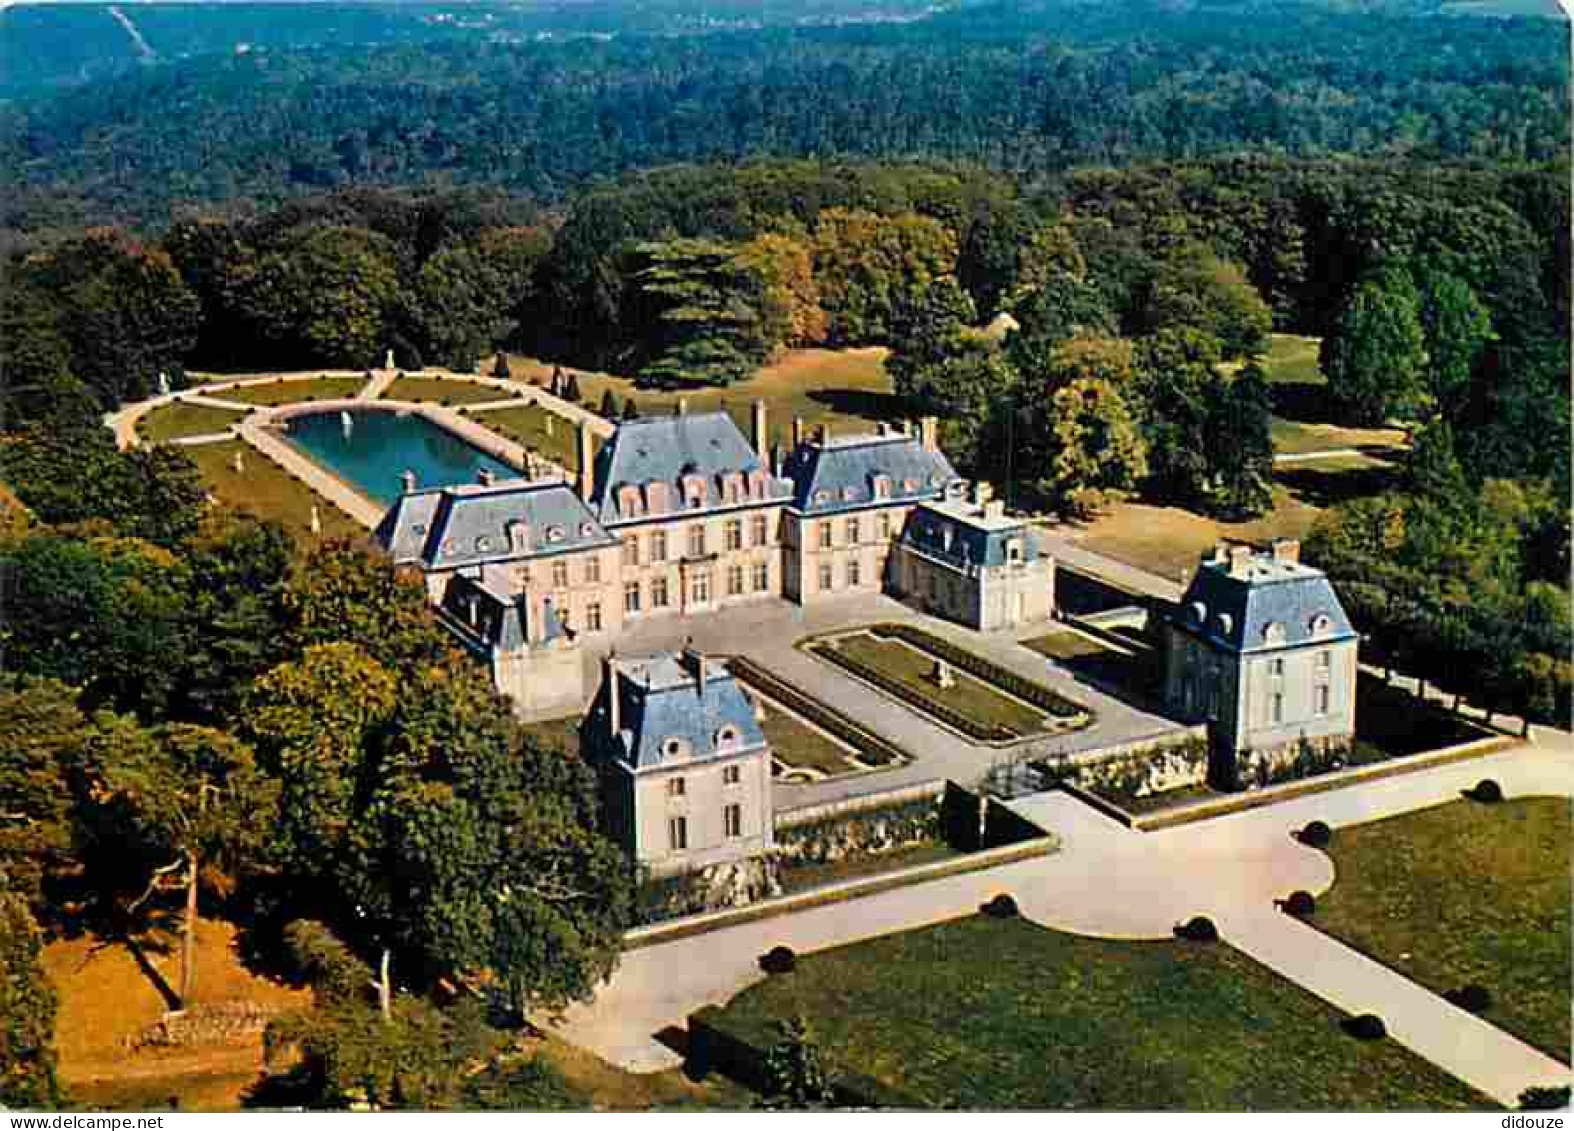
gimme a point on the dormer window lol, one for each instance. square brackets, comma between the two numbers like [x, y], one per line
[586, 530]
[935, 481]
[1320, 624]
[849, 494]
[483, 544]
[909, 484]
[822, 496]
[518, 536]
[1273, 632]
[418, 529]
[726, 738]
[882, 486]
[1197, 613]
[1226, 624]
[675, 748]
[555, 533]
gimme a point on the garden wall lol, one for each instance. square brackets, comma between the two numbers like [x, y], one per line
[1139, 768]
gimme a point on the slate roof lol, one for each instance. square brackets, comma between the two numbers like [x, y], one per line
[660, 700]
[958, 533]
[1235, 612]
[665, 448]
[466, 525]
[499, 621]
[840, 476]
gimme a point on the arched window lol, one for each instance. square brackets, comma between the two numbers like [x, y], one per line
[1320, 623]
[1197, 613]
[726, 738]
[1273, 632]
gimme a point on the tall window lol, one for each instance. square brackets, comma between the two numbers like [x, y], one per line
[825, 578]
[734, 580]
[854, 574]
[699, 587]
[762, 577]
[697, 540]
[1276, 707]
[1325, 660]
[854, 531]
[678, 833]
[631, 597]
[761, 529]
[885, 524]
[1276, 668]
[593, 569]
[731, 775]
[658, 593]
[631, 550]
[677, 787]
[1322, 698]
[825, 535]
[733, 534]
[732, 820]
[593, 617]
[658, 546]
[559, 575]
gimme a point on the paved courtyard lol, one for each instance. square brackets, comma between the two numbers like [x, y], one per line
[1113, 882]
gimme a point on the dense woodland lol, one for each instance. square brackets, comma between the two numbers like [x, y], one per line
[193, 707]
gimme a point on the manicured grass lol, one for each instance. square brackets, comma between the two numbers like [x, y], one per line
[1293, 436]
[442, 389]
[266, 490]
[614, 1089]
[1135, 671]
[968, 696]
[172, 420]
[288, 392]
[527, 426]
[1065, 646]
[852, 868]
[847, 389]
[991, 1013]
[801, 746]
[1463, 893]
[1292, 359]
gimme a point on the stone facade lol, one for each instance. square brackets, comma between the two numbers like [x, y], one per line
[1261, 650]
[685, 768]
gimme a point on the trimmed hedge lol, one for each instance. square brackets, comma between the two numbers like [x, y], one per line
[1472, 998]
[1366, 1027]
[779, 960]
[987, 670]
[1316, 835]
[927, 704]
[1001, 906]
[1300, 904]
[872, 749]
[1486, 791]
[1198, 929]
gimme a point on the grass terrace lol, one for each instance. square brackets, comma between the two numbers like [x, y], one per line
[526, 425]
[910, 673]
[797, 745]
[986, 1013]
[443, 390]
[174, 420]
[1135, 671]
[847, 389]
[268, 491]
[280, 391]
[1464, 893]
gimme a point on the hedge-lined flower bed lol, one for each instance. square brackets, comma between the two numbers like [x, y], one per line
[927, 704]
[987, 670]
[872, 750]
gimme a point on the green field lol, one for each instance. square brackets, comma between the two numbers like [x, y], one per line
[799, 745]
[914, 669]
[443, 390]
[1465, 893]
[268, 491]
[288, 392]
[172, 420]
[985, 1013]
[527, 426]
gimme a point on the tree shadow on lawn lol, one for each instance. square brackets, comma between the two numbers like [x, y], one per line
[1304, 403]
[860, 402]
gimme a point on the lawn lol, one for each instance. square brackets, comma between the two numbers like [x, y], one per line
[1390, 722]
[799, 745]
[268, 491]
[1296, 436]
[527, 426]
[176, 419]
[847, 389]
[1292, 359]
[1464, 893]
[610, 1088]
[985, 1013]
[106, 998]
[914, 669]
[1135, 672]
[1300, 396]
[444, 390]
[288, 392]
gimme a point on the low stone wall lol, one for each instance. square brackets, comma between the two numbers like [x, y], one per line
[219, 1023]
[1138, 768]
[931, 789]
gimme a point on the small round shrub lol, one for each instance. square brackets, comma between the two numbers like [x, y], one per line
[1544, 1098]
[1487, 792]
[779, 960]
[1198, 929]
[1366, 1027]
[1316, 835]
[1300, 904]
[1001, 906]
[1472, 998]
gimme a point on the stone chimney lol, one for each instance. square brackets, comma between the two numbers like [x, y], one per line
[587, 461]
[762, 436]
[518, 532]
[1287, 550]
[1219, 554]
[982, 493]
[797, 431]
[682, 407]
[994, 509]
[610, 675]
[825, 435]
[929, 433]
[696, 662]
[407, 478]
[485, 476]
[1240, 560]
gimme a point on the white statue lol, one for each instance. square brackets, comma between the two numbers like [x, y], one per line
[163, 383]
[316, 520]
[388, 362]
[240, 461]
[346, 423]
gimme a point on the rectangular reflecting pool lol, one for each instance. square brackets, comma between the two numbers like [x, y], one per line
[370, 450]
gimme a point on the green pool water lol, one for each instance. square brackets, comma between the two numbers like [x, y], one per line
[371, 450]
